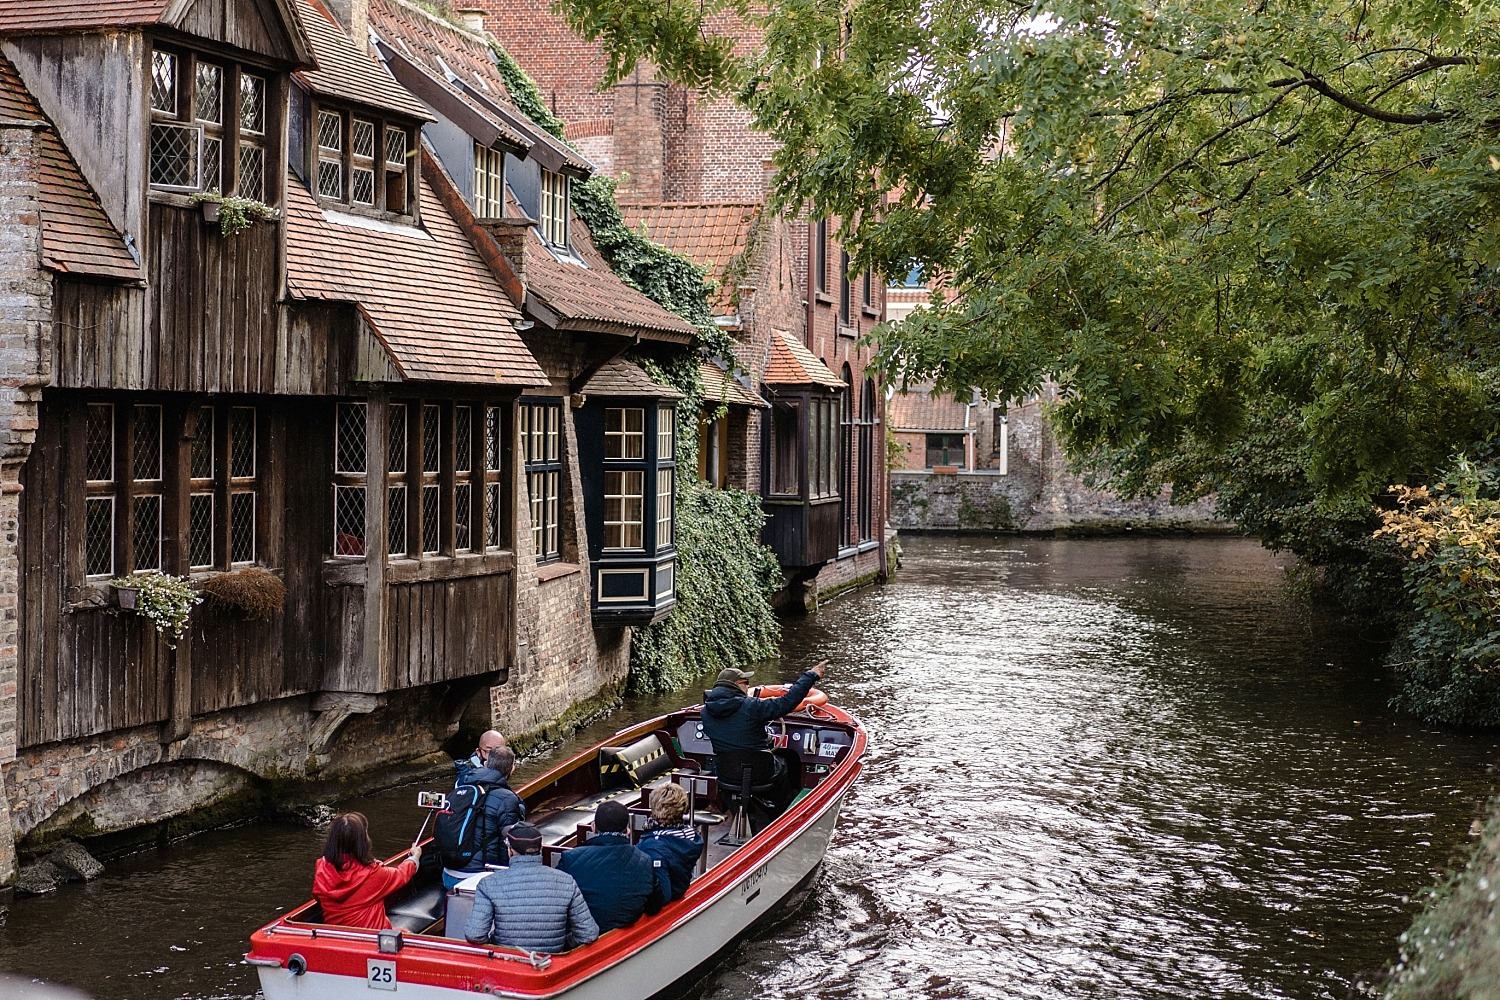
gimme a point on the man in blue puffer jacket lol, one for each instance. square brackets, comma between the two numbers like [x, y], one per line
[617, 880]
[529, 905]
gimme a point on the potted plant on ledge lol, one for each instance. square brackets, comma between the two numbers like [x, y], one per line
[165, 599]
[232, 212]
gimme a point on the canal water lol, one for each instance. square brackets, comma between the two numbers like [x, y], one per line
[1099, 768]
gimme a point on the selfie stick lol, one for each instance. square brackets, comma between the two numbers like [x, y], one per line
[423, 830]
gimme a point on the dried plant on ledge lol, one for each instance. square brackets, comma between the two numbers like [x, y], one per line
[254, 591]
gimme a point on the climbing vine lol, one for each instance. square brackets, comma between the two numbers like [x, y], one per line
[724, 577]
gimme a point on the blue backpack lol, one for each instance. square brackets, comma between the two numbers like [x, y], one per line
[459, 828]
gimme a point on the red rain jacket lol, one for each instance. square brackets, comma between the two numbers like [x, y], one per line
[355, 897]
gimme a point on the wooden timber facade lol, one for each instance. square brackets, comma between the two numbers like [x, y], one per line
[345, 396]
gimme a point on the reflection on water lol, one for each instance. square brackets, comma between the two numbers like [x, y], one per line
[1098, 768]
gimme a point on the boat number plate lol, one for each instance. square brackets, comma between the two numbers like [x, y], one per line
[380, 973]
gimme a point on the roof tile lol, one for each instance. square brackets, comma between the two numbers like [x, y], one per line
[71, 15]
[348, 73]
[77, 237]
[721, 387]
[463, 62]
[429, 296]
[920, 409]
[710, 235]
[621, 378]
[793, 364]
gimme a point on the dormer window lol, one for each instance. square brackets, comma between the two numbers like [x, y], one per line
[209, 126]
[489, 182]
[363, 162]
[554, 208]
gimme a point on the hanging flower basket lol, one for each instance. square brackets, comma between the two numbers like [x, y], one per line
[232, 212]
[165, 599]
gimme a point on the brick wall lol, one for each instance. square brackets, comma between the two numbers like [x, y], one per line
[25, 353]
[561, 661]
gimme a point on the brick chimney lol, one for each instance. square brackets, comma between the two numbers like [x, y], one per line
[640, 136]
[510, 235]
[473, 18]
[354, 16]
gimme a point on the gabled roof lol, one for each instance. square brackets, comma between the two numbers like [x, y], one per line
[464, 65]
[710, 235]
[621, 378]
[348, 72]
[77, 237]
[46, 16]
[582, 297]
[921, 410]
[720, 386]
[793, 364]
[437, 310]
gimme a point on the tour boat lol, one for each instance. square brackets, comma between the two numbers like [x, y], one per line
[742, 877]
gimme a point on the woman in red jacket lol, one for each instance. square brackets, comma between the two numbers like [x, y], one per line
[349, 884]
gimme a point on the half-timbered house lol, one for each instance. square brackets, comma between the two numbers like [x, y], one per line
[331, 396]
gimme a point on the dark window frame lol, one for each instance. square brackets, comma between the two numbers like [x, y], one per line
[946, 444]
[539, 432]
[393, 189]
[237, 143]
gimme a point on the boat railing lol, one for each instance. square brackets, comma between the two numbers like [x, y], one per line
[536, 960]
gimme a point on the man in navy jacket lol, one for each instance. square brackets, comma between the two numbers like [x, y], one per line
[617, 879]
[735, 723]
[501, 808]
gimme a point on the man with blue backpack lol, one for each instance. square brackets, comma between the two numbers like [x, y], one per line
[470, 833]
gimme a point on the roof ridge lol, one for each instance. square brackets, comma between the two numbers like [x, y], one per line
[692, 204]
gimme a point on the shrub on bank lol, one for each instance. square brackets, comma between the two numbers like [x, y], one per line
[1448, 660]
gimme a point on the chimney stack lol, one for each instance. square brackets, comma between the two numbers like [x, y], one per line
[354, 17]
[473, 19]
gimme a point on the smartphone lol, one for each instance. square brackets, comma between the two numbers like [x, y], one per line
[432, 800]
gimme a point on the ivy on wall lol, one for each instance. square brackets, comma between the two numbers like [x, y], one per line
[725, 577]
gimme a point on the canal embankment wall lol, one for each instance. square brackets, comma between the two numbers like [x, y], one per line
[1031, 490]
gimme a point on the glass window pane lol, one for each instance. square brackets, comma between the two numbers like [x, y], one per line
[349, 444]
[146, 463]
[348, 520]
[175, 152]
[99, 450]
[463, 439]
[164, 82]
[432, 440]
[99, 536]
[252, 172]
[431, 524]
[201, 530]
[395, 520]
[209, 97]
[492, 515]
[492, 443]
[145, 511]
[252, 104]
[664, 478]
[242, 527]
[395, 456]
[462, 514]
[242, 442]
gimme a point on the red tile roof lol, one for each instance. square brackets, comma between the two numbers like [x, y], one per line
[721, 387]
[710, 235]
[585, 297]
[920, 410]
[429, 297]
[71, 15]
[77, 237]
[621, 378]
[464, 64]
[793, 364]
[348, 72]
[42, 16]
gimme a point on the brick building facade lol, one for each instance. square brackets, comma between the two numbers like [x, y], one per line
[692, 171]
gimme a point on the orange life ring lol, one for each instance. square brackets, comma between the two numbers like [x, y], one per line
[814, 699]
